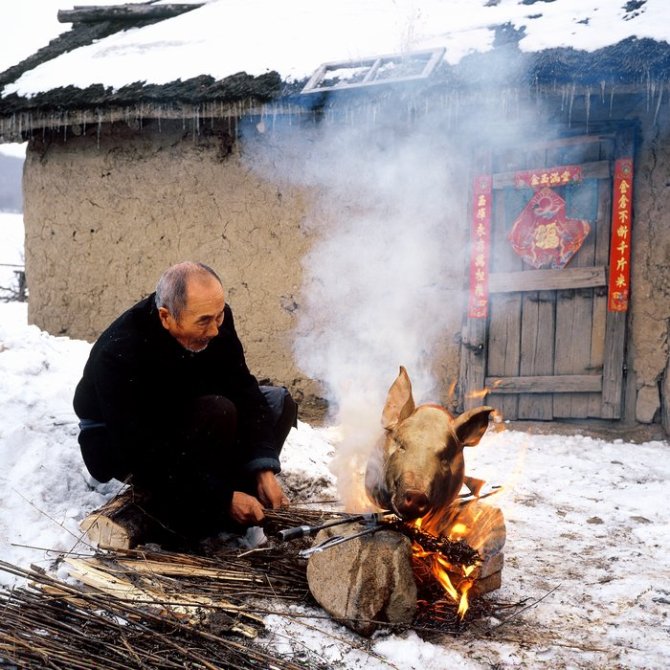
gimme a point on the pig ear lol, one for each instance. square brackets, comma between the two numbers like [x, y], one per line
[471, 425]
[399, 401]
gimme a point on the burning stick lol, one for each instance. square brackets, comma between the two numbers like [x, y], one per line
[456, 552]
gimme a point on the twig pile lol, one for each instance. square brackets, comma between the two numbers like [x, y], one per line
[157, 609]
[51, 624]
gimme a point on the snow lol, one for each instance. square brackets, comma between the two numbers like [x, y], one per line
[33, 24]
[14, 149]
[295, 36]
[588, 527]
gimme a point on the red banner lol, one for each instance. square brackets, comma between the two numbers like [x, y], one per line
[622, 209]
[552, 177]
[480, 238]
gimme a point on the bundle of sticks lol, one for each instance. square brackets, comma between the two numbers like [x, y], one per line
[143, 608]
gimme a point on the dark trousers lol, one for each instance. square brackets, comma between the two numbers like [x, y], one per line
[189, 487]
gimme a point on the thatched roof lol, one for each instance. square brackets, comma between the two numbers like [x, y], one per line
[628, 67]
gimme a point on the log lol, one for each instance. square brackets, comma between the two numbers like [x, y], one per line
[121, 523]
[480, 525]
[131, 13]
[486, 585]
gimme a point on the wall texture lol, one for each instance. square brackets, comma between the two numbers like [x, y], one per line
[650, 285]
[106, 215]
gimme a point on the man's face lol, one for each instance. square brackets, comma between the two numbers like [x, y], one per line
[200, 320]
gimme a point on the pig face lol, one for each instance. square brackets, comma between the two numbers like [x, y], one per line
[418, 466]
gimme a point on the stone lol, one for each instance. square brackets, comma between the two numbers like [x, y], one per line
[366, 581]
[648, 403]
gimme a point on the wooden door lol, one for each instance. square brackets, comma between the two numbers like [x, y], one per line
[550, 349]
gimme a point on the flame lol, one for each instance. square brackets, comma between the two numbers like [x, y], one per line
[478, 394]
[444, 572]
[458, 530]
[451, 392]
[498, 419]
[485, 391]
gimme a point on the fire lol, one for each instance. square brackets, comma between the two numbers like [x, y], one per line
[444, 572]
[482, 393]
[478, 394]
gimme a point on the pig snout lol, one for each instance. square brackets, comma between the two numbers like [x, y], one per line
[411, 504]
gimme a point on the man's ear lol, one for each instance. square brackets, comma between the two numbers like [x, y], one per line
[165, 316]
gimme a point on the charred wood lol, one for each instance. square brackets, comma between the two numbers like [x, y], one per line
[458, 552]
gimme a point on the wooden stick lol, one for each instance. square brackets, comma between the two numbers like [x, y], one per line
[97, 14]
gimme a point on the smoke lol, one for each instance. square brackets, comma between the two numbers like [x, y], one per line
[383, 279]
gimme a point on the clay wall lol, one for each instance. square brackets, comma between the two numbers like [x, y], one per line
[107, 210]
[106, 215]
[648, 391]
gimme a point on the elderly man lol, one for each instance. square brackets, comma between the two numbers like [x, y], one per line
[167, 400]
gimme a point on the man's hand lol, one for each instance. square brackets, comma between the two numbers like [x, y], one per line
[245, 509]
[269, 491]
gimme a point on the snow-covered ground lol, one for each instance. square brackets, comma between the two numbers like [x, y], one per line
[588, 526]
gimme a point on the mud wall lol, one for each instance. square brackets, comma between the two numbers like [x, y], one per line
[107, 210]
[105, 215]
[648, 389]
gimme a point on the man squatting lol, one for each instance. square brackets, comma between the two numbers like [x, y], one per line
[167, 402]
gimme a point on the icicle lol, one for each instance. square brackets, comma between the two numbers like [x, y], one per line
[587, 106]
[658, 104]
[602, 91]
[611, 101]
[571, 103]
[99, 127]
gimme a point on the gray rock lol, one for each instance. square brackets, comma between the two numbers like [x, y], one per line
[648, 403]
[366, 581]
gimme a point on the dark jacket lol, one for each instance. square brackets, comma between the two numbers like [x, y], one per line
[138, 378]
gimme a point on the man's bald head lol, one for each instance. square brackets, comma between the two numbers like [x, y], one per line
[172, 287]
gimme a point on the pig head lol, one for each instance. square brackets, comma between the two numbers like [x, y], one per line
[418, 466]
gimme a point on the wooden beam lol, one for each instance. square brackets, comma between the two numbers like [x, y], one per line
[545, 384]
[547, 280]
[97, 13]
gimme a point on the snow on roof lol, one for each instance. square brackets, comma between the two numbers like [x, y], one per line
[294, 37]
